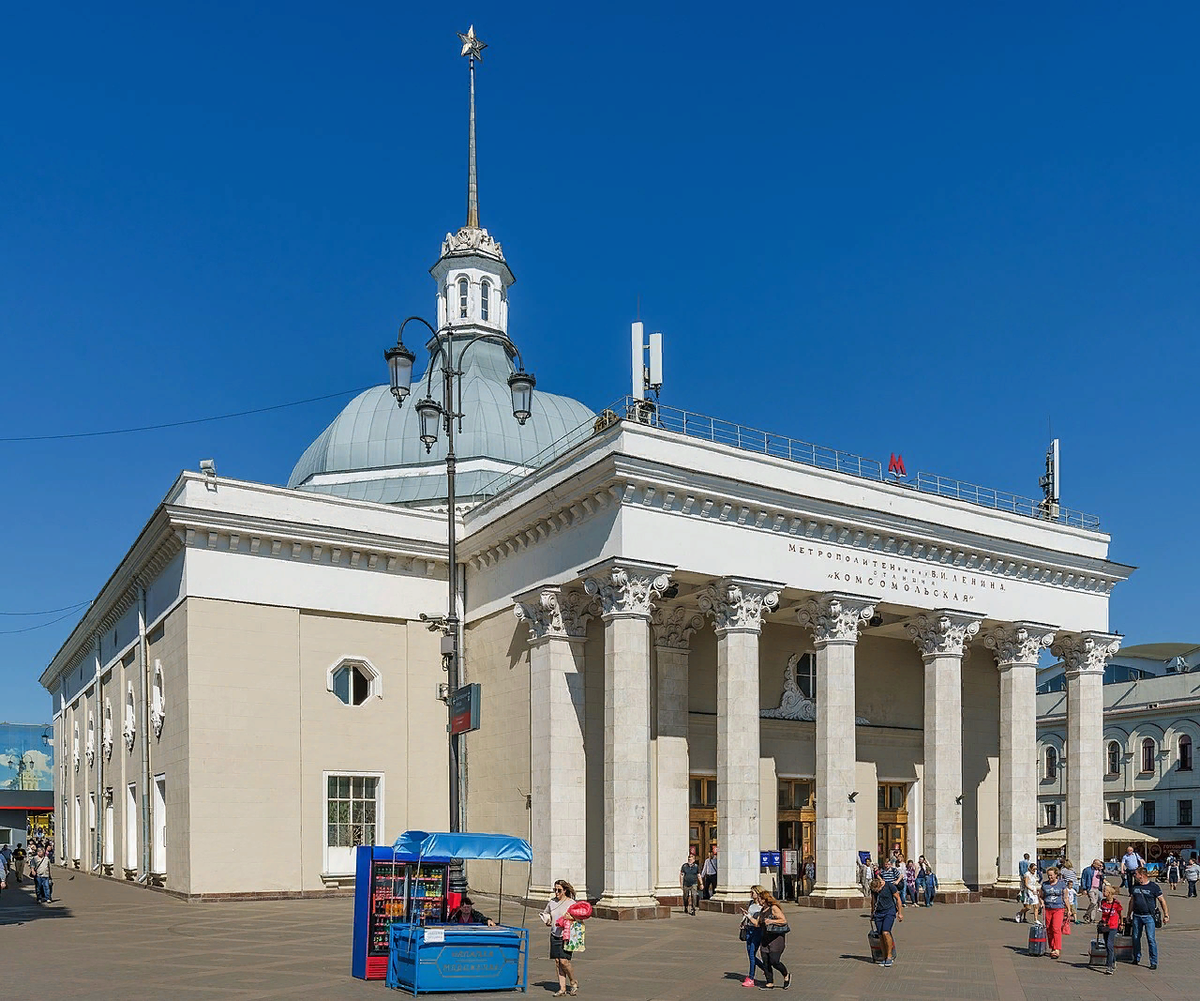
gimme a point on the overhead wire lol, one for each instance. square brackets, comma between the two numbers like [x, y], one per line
[40, 625]
[49, 611]
[177, 424]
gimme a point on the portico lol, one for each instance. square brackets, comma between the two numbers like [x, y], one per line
[704, 581]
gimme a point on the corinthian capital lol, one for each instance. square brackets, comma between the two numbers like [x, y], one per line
[627, 588]
[673, 627]
[555, 612]
[1085, 653]
[943, 633]
[1018, 642]
[737, 604]
[835, 618]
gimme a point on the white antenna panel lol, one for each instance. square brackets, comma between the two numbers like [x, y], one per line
[637, 342]
[656, 364]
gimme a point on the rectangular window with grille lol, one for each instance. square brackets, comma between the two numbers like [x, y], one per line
[351, 809]
[1185, 813]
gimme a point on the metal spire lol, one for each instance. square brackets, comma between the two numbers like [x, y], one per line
[472, 48]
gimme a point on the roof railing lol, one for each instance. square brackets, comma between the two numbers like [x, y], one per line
[780, 446]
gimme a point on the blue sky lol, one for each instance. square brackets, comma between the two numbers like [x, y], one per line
[936, 231]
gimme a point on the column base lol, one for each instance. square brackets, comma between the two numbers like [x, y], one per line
[956, 892]
[669, 895]
[1002, 889]
[630, 909]
[834, 898]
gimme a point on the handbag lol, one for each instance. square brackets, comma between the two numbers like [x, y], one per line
[1066, 926]
[743, 933]
[1157, 919]
[782, 929]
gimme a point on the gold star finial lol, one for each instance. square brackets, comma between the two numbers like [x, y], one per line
[471, 46]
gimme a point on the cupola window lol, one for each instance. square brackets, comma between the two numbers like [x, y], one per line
[463, 288]
[484, 296]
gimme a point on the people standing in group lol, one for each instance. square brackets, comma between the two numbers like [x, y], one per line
[888, 908]
[1030, 895]
[1067, 873]
[1054, 906]
[1191, 872]
[752, 932]
[1172, 866]
[774, 939]
[689, 882]
[931, 881]
[891, 873]
[552, 914]
[1091, 884]
[866, 873]
[910, 882]
[1109, 926]
[708, 873]
[1146, 898]
[1130, 864]
[41, 875]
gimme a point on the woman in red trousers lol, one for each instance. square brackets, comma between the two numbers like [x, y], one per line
[1054, 906]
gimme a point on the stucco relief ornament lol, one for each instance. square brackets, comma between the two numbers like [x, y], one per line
[942, 634]
[106, 734]
[89, 749]
[1086, 653]
[625, 592]
[737, 606]
[1018, 643]
[471, 239]
[834, 619]
[556, 612]
[129, 730]
[158, 702]
[673, 627]
[794, 704]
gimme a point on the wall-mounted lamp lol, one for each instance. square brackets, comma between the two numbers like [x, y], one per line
[852, 795]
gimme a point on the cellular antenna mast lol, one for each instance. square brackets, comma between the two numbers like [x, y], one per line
[647, 372]
[1050, 483]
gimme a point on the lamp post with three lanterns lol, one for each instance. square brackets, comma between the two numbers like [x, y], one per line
[448, 414]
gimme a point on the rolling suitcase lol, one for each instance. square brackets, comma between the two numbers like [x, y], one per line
[1122, 951]
[875, 941]
[1037, 940]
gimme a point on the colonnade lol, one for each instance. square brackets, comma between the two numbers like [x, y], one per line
[628, 598]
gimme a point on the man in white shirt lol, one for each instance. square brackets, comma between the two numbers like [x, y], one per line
[708, 874]
[1129, 866]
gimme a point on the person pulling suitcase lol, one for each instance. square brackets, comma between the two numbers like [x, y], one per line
[887, 909]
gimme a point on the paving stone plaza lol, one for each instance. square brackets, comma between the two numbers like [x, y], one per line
[103, 940]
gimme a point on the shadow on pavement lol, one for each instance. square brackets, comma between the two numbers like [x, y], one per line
[18, 906]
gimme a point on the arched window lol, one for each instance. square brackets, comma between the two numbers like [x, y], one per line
[485, 289]
[1114, 758]
[1051, 763]
[1148, 754]
[463, 288]
[1185, 753]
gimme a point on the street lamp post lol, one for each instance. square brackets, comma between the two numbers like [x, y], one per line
[448, 414]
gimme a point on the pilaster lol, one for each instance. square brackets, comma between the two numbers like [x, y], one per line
[626, 591]
[557, 620]
[1017, 647]
[835, 620]
[737, 607]
[942, 637]
[671, 630]
[1084, 656]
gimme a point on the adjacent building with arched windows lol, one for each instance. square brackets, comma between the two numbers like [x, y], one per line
[1151, 729]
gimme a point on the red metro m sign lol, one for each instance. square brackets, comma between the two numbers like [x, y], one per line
[896, 466]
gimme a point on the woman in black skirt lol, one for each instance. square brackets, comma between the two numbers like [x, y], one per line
[555, 909]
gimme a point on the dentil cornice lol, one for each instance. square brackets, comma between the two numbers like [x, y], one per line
[1018, 642]
[943, 633]
[835, 618]
[556, 612]
[673, 627]
[1085, 653]
[626, 589]
[738, 605]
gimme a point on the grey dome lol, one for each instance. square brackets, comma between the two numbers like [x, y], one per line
[372, 434]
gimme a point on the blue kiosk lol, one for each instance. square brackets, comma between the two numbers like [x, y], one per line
[426, 958]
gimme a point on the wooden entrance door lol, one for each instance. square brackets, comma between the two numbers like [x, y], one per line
[702, 815]
[893, 818]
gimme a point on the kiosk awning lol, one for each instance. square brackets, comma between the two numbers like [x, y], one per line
[464, 846]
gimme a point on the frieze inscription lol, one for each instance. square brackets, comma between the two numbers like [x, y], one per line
[890, 576]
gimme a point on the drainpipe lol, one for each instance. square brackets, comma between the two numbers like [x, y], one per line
[98, 750]
[144, 657]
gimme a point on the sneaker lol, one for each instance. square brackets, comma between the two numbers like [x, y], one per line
[748, 982]
[1108, 971]
[1154, 966]
[888, 962]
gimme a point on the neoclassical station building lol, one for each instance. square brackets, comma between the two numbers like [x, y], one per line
[685, 632]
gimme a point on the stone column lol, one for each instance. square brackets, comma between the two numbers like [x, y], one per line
[557, 620]
[835, 620]
[942, 637]
[1018, 646]
[626, 590]
[672, 631]
[1084, 656]
[737, 607]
